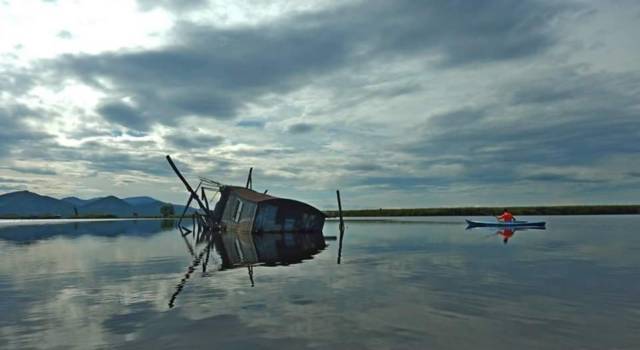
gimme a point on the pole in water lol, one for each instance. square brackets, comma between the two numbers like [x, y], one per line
[184, 212]
[249, 180]
[341, 226]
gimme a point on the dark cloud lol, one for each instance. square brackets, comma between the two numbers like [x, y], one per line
[456, 121]
[568, 86]
[42, 170]
[396, 182]
[11, 188]
[14, 133]
[251, 123]
[16, 80]
[214, 72]
[106, 157]
[464, 32]
[551, 177]
[193, 140]
[85, 131]
[262, 151]
[363, 166]
[9, 180]
[586, 118]
[137, 133]
[152, 164]
[123, 114]
[300, 128]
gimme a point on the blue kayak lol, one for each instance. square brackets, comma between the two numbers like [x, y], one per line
[517, 223]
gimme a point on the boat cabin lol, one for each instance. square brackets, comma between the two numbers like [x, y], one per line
[244, 210]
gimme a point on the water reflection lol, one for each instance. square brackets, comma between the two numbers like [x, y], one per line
[241, 249]
[411, 285]
[27, 233]
[505, 233]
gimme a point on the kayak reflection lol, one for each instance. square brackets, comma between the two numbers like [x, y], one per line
[506, 233]
[242, 249]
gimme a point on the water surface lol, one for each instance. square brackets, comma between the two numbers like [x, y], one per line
[402, 284]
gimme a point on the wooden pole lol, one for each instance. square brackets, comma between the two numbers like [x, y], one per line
[249, 180]
[184, 212]
[250, 269]
[206, 261]
[204, 198]
[186, 184]
[341, 226]
[204, 221]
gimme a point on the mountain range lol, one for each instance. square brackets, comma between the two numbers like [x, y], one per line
[29, 204]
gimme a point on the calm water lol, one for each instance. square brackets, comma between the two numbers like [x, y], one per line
[416, 283]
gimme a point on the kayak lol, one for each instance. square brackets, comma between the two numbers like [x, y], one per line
[517, 223]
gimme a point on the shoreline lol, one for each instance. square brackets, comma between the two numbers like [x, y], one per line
[406, 212]
[493, 211]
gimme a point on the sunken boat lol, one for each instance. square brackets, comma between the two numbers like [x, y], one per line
[245, 211]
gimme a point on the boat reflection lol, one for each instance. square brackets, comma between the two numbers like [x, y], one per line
[505, 233]
[241, 249]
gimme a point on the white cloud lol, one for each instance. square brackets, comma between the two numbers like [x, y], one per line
[30, 28]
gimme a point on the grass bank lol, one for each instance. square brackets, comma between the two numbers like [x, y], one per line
[489, 211]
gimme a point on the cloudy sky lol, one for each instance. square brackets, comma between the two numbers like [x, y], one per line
[397, 103]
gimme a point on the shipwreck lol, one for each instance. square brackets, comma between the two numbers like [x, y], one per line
[245, 211]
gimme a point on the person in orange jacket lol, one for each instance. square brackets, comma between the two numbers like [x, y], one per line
[506, 216]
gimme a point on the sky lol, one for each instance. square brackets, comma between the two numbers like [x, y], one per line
[396, 103]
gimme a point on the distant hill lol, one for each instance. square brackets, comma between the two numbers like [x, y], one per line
[110, 205]
[77, 201]
[25, 204]
[152, 207]
[140, 200]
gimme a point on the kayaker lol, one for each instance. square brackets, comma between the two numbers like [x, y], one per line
[506, 216]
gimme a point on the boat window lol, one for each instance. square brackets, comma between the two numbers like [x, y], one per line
[238, 211]
[266, 219]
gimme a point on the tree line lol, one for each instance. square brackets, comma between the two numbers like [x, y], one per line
[492, 211]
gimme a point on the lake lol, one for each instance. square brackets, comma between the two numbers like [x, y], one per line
[403, 283]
